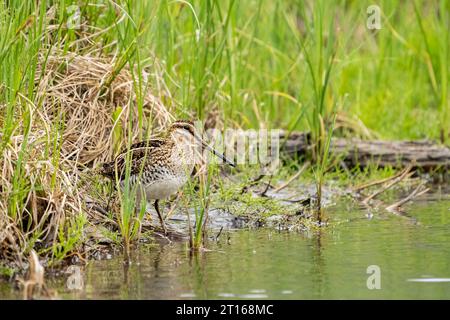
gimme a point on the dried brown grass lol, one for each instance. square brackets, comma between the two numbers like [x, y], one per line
[78, 85]
[44, 188]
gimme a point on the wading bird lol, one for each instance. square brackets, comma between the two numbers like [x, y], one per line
[158, 168]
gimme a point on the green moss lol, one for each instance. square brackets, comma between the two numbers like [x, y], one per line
[241, 200]
[6, 271]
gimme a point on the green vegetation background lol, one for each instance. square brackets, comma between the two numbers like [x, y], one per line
[249, 59]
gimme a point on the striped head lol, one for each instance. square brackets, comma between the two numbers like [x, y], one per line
[184, 133]
[183, 128]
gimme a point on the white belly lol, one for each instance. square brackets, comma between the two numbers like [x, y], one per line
[159, 189]
[163, 189]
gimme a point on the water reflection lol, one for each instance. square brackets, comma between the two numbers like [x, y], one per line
[256, 264]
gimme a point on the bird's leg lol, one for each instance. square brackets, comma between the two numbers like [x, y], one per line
[110, 196]
[160, 216]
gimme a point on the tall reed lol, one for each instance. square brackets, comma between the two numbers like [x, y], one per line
[318, 46]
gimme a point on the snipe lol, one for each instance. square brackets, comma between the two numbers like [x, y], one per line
[160, 167]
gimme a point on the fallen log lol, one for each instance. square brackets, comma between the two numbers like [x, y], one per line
[422, 154]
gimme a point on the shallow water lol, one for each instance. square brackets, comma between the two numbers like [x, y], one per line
[414, 262]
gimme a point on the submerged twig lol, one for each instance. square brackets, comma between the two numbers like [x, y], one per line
[381, 181]
[416, 193]
[291, 179]
[392, 182]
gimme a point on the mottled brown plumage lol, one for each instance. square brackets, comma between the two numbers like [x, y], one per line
[145, 154]
[142, 154]
[159, 167]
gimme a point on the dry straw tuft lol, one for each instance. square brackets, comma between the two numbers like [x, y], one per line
[72, 127]
[88, 91]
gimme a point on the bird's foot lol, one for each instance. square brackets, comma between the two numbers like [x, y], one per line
[163, 225]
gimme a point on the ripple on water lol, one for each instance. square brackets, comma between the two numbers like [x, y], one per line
[287, 292]
[226, 295]
[187, 295]
[257, 291]
[429, 280]
[253, 296]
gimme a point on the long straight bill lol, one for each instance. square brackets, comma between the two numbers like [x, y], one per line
[218, 154]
